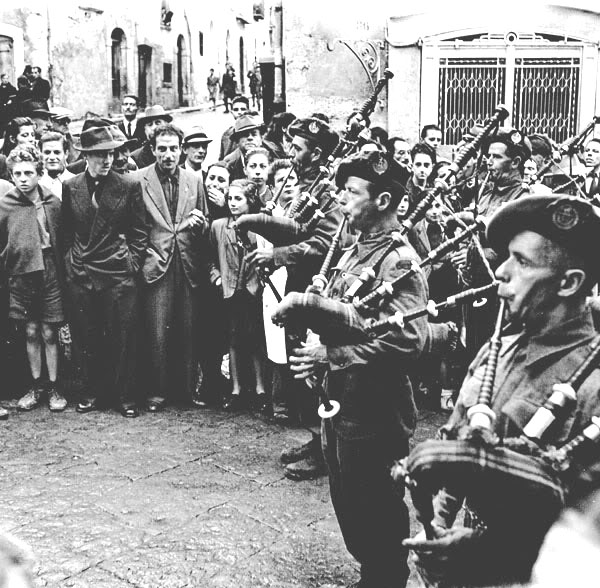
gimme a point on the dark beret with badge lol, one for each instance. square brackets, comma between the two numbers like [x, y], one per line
[514, 139]
[316, 130]
[375, 168]
[570, 222]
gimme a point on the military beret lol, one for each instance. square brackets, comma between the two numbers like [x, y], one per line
[317, 130]
[572, 223]
[373, 167]
[511, 138]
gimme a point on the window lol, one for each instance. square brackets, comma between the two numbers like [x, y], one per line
[167, 73]
[201, 43]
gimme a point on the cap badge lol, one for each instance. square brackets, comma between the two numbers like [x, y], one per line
[565, 216]
[314, 127]
[379, 164]
[516, 137]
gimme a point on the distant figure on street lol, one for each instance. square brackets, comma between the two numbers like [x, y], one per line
[255, 83]
[228, 86]
[8, 94]
[212, 85]
[40, 89]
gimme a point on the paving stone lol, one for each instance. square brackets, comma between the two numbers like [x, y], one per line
[184, 498]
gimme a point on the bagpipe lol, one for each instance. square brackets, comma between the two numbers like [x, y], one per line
[566, 149]
[319, 198]
[503, 478]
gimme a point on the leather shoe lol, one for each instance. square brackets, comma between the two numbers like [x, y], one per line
[234, 403]
[155, 405]
[294, 454]
[130, 412]
[87, 405]
[305, 469]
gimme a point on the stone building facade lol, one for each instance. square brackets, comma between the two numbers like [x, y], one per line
[97, 51]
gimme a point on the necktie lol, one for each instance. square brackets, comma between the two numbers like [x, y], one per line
[594, 184]
[129, 130]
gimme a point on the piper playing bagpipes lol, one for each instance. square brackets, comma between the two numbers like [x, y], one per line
[549, 245]
[370, 379]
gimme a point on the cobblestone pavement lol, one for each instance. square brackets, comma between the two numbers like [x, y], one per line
[184, 498]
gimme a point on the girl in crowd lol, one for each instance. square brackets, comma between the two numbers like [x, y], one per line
[241, 288]
[257, 170]
[20, 131]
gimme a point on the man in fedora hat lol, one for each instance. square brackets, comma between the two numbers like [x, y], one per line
[130, 126]
[106, 234]
[173, 270]
[79, 165]
[154, 116]
[248, 134]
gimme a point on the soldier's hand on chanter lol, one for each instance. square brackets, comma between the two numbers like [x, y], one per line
[305, 360]
[435, 554]
[458, 259]
[261, 256]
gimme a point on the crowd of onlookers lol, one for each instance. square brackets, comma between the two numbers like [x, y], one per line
[200, 283]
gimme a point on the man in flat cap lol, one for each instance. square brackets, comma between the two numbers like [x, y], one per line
[248, 134]
[240, 106]
[548, 246]
[154, 116]
[195, 146]
[106, 235]
[312, 142]
[370, 379]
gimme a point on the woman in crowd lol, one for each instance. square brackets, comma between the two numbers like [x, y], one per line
[20, 131]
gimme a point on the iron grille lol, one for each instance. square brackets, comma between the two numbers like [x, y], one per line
[546, 96]
[469, 90]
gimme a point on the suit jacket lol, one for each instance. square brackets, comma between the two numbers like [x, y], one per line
[235, 164]
[104, 246]
[228, 145]
[143, 156]
[137, 131]
[164, 234]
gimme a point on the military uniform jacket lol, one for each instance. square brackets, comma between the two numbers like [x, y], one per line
[371, 379]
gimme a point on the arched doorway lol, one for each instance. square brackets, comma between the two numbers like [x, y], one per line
[242, 77]
[118, 64]
[144, 75]
[182, 72]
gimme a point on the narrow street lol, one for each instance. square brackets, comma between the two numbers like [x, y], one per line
[185, 498]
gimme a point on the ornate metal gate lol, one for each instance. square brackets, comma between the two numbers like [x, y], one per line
[546, 96]
[538, 78]
[469, 90]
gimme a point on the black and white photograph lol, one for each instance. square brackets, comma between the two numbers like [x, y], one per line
[299, 294]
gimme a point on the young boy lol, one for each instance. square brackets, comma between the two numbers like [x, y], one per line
[29, 252]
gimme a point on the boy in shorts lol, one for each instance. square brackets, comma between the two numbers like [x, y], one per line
[29, 258]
